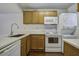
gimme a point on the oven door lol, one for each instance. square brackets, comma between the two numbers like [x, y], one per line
[52, 42]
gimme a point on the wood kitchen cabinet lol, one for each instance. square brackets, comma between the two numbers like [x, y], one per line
[40, 42]
[25, 46]
[42, 14]
[69, 50]
[27, 17]
[35, 17]
[50, 13]
[28, 44]
[41, 17]
[37, 42]
[77, 7]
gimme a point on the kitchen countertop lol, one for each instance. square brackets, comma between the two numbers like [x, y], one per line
[6, 40]
[73, 42]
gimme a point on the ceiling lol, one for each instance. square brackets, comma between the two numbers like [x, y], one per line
[45, 5]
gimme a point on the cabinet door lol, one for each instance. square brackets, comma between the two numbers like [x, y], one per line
[77, 7]
[37, 42]
[35, 17]
[23, 47]
[33, 42]
[66, 49]
[28, 44]
[41, 17]
[27, 17]
[40, 42]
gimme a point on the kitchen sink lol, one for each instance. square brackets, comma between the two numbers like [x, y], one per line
[16, 35]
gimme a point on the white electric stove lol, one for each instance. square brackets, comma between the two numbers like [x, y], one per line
[53, 42]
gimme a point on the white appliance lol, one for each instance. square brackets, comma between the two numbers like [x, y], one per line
[50, 20]
[11, 50]
[52, 39]
[67, 24]
[53, 42]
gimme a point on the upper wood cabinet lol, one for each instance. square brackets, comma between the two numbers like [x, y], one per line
[27, 17]
[77, 7]
[42, 14]
[41, 17]
[36, 17]
[51, 13]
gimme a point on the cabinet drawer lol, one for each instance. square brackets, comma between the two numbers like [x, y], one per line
[38, 36]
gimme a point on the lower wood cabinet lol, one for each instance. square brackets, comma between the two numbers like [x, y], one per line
[37, 41]
[28, 44]
[69, 50]
[25, 46]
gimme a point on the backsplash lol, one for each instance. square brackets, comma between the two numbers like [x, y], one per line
[38, 28]
[34, 27]
[51, 26]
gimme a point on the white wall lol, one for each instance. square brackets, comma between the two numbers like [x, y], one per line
[9, 8]
[77, 30]
[9, 16]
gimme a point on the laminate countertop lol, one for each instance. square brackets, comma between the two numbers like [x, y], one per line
[6, 40]
[73, 42]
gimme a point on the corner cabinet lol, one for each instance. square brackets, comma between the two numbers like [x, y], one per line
[37, 42]
[25, 46]
[36, 17]
[70, 50]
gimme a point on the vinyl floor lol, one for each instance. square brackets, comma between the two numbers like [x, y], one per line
[41, 53]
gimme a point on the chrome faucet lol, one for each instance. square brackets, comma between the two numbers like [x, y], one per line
[11, 33]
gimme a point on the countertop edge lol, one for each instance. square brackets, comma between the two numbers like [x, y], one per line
[71, 43]
[18, 38]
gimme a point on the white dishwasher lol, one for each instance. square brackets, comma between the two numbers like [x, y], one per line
[11, 50]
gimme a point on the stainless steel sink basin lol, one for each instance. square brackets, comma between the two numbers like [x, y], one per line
[17, 35]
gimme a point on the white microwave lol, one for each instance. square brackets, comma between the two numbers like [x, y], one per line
[50, 20]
